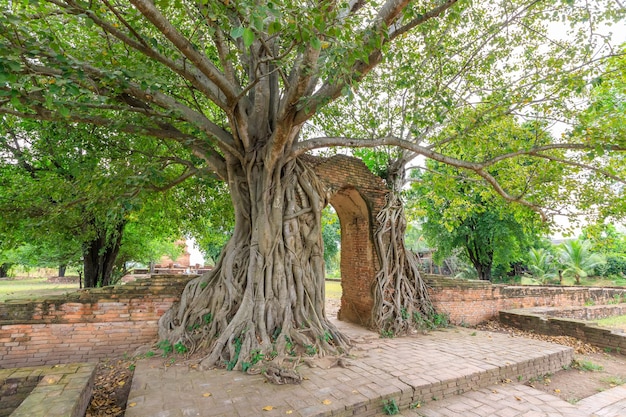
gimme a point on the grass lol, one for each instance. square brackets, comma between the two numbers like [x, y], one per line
[585, 282]
[615, 322]
[20, 289]
[333, 289]
[587, 366]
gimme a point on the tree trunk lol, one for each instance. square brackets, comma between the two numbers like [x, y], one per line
[99, 257]
[62, 269]
[266, 294]
[4, 269]
[401, 299]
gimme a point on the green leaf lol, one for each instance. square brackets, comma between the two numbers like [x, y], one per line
[248, 37]
[316, 43]
[237, 32]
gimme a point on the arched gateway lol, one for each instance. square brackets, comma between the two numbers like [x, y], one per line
[357, 196]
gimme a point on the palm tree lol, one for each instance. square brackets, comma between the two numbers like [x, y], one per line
[578, 260]
[541, 265]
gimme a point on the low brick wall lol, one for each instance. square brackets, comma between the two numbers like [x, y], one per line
[471, 302]
[557, 323]
[87, 325]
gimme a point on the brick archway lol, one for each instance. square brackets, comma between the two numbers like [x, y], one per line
[357, 196]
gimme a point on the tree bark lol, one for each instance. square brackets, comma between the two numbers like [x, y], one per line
[266, 294]
[99, 256]
[4, 269]
[401, 299]
[62, 269]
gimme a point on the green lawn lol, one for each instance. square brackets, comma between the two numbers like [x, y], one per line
[333, 289]
[13, 289]
[618, 322]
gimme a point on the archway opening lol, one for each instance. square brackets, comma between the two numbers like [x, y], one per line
[331, 235]
[358, 261]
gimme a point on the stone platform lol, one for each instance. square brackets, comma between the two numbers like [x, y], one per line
[419, 370]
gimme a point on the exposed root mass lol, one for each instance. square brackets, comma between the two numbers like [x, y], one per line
[264, 300]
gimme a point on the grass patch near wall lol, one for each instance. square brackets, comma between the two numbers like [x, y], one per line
[333, 289]
[20, 289]
[618, 322]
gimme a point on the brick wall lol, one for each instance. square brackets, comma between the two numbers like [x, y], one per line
[357, 196]
[85, 326]
[540, 320]
[471, 302]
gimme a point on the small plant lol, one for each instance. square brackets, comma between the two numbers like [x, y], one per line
[327, 337]
[131, 367]
[617, 299]
[386, 334]
[256, 356]
[404, 314]
[519, 378]
[165, 346]
[310, 350]
[203, 285]
[416, 404]
[230, 365]
[441, 320]
[587, 366]
[180, 348]
[473, 334]
[590, 302]
[390, 407]
[289, 345]
[607, 350]
[614, 381]
[207, 318]
[149, 354]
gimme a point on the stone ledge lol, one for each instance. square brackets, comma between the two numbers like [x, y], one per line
[63, 390]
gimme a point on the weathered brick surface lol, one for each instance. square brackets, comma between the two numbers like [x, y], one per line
[471, 302]
[357, 196]
[87, 326]
[550, 322]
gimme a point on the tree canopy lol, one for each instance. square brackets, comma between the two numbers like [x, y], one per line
[242, 89]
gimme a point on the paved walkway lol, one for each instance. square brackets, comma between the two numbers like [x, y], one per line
[451, 372]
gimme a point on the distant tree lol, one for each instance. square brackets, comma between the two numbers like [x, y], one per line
[331, 236]
[541, 264]
[578, 260]
[459, 210]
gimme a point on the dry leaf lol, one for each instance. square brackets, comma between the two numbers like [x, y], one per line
[132, 404]
[495, 391]
[207, 394]
[557, 390]
[268, 408]
[289, 412]
[518, 398]
[326, 402]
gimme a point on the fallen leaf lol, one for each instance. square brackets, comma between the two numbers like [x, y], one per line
[355, 391]
[518, 398]
[268, 408]
[207, 394]
[494, 391]
[557, 390]
[121, 383]
[326, 402]
[132, 404]
[289, 412]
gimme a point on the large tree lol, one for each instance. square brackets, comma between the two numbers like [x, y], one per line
[234, 83]
[72, 189]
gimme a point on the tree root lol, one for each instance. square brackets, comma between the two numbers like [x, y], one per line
[401, 299]
[265, 297]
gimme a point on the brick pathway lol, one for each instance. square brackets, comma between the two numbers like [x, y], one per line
[441, 364]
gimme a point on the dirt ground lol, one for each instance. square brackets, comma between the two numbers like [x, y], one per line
[592, 371]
